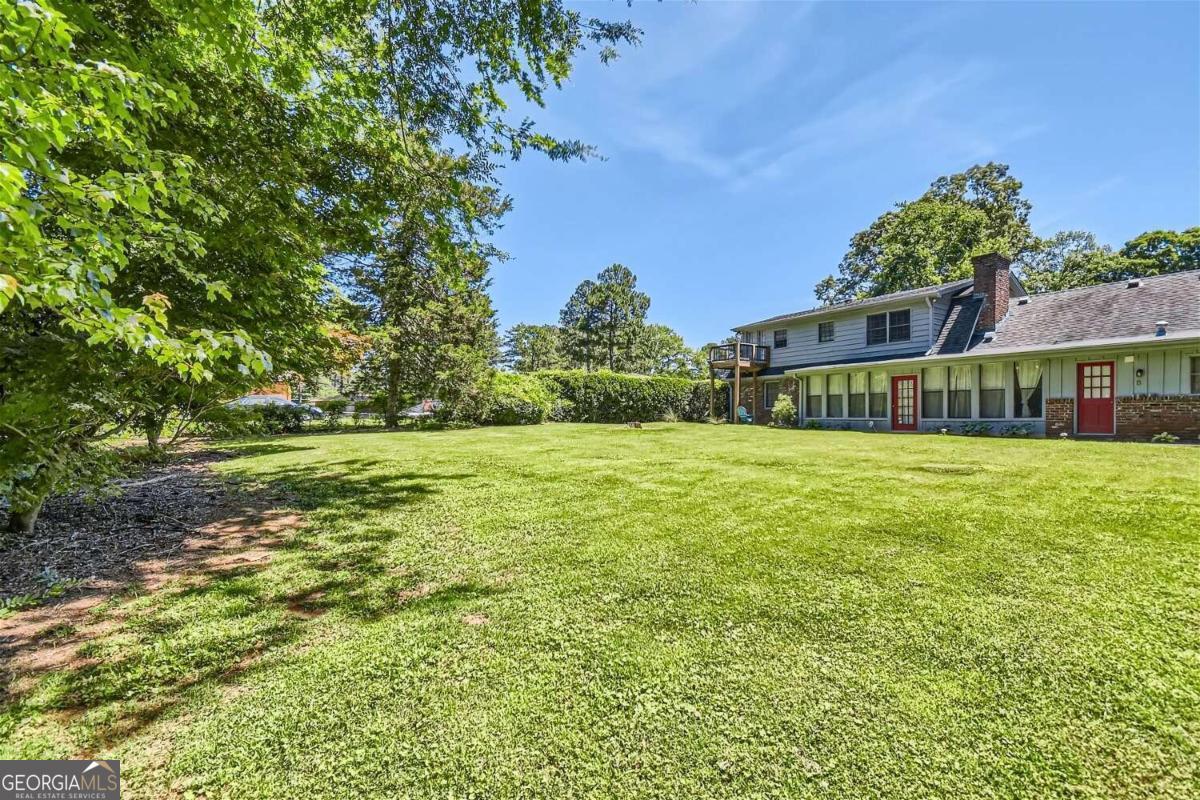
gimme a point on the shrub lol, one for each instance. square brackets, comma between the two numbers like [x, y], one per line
[614, 397]
[374, 405]
[976, 428]
[783, 413]
[562, 410]
[1166, 437]
[227, 423]
[1019, 430]
[813, 425]
[512, 399]
[333, 406]
[281, 418]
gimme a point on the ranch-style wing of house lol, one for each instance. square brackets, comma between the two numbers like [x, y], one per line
[1117, 360]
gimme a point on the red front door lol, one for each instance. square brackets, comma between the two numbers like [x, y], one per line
[1094, 393]
[904, 403]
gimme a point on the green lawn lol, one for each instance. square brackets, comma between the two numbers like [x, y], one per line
[679, 611]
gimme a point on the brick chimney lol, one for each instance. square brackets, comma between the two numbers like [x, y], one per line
[992, 281]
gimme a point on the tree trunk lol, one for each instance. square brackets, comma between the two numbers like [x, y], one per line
[391, 411]
[152, 426]
[22, 522]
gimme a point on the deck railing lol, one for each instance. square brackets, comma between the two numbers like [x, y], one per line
[749, 353]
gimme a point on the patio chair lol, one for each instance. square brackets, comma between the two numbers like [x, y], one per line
[744, 416]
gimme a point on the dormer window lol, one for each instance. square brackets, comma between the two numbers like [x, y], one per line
[893, 326]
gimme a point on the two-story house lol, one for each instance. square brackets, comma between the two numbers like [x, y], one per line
[1119, 359]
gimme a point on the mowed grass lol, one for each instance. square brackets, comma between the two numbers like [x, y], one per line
[679, 611]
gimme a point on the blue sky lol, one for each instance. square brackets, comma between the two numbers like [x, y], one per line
[746, 142]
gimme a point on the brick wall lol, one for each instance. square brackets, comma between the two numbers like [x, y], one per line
[1142, 417]
[1060, 416]
[755, 401]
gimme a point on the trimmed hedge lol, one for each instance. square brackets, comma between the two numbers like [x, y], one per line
[615, 397]
[514, 399]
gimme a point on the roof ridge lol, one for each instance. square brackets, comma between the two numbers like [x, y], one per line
[1114, 283]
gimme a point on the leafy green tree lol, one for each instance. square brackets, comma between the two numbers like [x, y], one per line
[930, 240]
[659, 350]
[1162, 252]
[125, 280]
[1071, 259]
[529, 348]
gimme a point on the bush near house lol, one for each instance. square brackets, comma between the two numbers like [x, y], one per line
[783, 413]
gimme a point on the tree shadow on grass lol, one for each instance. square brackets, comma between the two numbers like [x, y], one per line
[221, 602]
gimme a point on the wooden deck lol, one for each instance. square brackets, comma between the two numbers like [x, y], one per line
[745, 356]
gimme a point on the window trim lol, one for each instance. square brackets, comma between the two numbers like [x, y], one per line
[821, 328]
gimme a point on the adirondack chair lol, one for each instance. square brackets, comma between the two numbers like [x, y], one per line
[744, 416]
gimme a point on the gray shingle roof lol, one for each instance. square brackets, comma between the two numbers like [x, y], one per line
[1107, 311]
[907, 294]
[959, 325]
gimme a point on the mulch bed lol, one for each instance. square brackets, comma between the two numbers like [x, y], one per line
[176, 521]
[96, 540]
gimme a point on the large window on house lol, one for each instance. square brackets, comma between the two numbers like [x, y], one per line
[825, 332]
[836, 396]
[781, 338]
[879, 394]
[991, 391]
[1027, 391]
[1195, 374]
[959, 396]
[858, 394]
[900, 326]
[933, 387]
[877, 328]
[816, 390]
[770, 394]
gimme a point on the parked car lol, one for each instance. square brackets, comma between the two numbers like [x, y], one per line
[423, 410]
[273, 400]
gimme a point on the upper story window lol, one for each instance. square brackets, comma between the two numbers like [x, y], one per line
[781, 338]
[825, 332]
[891, 326]
[877, 328]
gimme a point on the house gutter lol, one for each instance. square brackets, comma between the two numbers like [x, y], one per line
[1064, 348]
